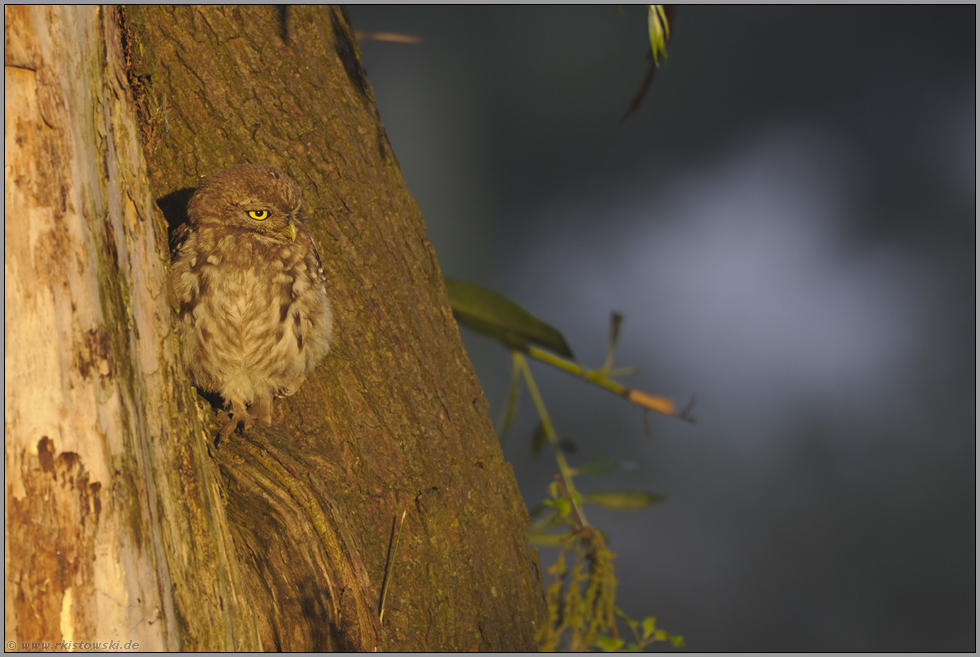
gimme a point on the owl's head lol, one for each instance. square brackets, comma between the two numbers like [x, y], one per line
[260, 199]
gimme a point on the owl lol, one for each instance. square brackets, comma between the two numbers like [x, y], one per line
[254, 314]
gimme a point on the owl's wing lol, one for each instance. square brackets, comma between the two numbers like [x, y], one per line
[179, 236]
[316, 255]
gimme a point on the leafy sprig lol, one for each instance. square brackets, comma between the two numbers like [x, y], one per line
[581, 598]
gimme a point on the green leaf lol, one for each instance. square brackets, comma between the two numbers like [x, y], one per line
[543, 539]
[494, 315]
[649, 625]
[543, 516]
[597, 467]
[608, 644]
[539, 440]
[659, 28]
[624, 500]
[564, 508]
[629, 621]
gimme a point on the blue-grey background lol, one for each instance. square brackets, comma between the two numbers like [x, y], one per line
[788, 225]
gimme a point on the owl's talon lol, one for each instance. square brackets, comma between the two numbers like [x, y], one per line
[225, 430]
[237, 416]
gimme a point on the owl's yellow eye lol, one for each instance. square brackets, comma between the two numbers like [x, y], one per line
[259, 215]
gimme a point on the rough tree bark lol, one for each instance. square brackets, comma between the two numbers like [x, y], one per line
[122, 521]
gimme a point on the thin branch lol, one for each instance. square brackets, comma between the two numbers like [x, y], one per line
[656, 403]
[391, 567]
[549, 429]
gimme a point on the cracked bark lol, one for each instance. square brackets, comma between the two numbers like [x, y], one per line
[281, 539]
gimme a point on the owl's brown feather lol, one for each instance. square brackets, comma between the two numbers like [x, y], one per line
[254, 314]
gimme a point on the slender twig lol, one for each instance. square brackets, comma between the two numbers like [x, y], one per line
[575, 511]
[390, 569]
[566, 472]
[615, 323]
[601, 379]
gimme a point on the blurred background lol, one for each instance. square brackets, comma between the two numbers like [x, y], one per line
[788, 224]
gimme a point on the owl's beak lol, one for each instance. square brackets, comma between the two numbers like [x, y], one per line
[290, 231]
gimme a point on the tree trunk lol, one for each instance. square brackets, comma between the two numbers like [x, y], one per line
[123, 522]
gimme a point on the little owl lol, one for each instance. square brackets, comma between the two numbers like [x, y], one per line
[254, 313]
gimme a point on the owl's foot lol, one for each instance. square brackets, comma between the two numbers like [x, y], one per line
[238, 415]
